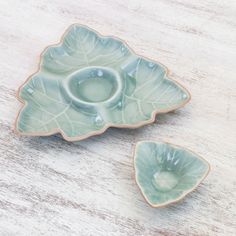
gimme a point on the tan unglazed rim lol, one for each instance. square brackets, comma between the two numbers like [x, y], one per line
[78, 138]
[185, 193]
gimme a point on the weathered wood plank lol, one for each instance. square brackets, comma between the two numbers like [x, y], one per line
[52, 187]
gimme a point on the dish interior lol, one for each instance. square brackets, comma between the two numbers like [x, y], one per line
[93, 85]
[165, 180]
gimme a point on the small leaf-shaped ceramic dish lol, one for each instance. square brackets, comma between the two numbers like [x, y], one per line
[88, 83]
[166, 173]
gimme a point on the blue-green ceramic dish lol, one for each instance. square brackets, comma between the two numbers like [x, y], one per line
[88, 83]
[166, 173]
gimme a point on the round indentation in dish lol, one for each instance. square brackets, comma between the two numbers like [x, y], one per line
[93, 85]
[165, 181]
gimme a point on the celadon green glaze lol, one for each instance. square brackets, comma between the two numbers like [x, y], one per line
[166, 173]
[88, 83]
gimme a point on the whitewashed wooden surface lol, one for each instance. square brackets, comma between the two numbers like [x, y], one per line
[51, 187]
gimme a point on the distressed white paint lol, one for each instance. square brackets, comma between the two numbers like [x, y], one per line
[52, 187]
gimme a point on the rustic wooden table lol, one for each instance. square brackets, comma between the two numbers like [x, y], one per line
[51, 187]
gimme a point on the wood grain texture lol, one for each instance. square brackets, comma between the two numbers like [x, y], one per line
[51, 187]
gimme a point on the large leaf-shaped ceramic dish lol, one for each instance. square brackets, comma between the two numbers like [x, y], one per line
[166, 173]
[88, 83]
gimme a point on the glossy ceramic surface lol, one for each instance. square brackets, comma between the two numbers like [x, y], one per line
[166, 173]
[88, 83]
